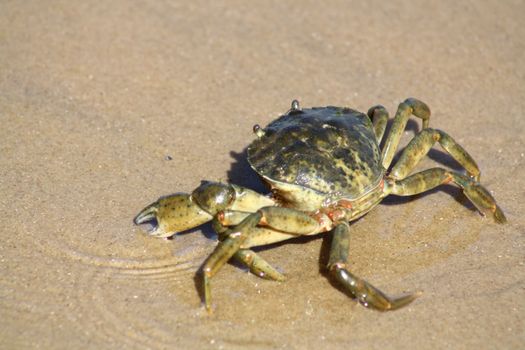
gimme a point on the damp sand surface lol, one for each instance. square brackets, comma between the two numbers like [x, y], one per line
[105, 106]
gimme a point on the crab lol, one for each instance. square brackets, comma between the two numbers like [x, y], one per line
[325, 168]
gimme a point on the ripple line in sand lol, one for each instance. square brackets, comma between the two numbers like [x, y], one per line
[153, 268]
[136, 320]
[159, 270]
[132, 263]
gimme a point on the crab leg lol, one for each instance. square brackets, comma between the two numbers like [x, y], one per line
[364, 292]
[430, 178]
[225, 250]
[379, 116]
[257, 265]
[267, 225]
[422, 143]
[410, 106]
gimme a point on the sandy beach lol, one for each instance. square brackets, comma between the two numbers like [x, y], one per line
[106, 106]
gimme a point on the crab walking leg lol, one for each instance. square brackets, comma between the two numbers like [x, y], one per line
[225, 250]
[364, 292]
[257, 229]
[410, 106]
[379, 116]
[257, 265]
[430, 178]
[422, 143]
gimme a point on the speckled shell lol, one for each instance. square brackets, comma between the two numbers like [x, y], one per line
[327, 149]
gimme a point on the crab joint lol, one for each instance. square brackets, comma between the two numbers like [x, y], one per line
[336, 215]
[345, 203]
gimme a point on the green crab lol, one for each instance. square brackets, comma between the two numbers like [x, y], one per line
[325, 168]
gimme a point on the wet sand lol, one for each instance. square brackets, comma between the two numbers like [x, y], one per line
[96, 97]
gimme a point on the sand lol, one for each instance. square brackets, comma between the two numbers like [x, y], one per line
[96, 97]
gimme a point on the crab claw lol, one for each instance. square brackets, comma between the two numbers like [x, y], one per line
[181, 211]
[173, 214]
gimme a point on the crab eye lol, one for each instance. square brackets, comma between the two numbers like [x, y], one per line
[257, 130]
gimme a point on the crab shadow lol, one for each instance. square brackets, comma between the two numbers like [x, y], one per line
[242, 174]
